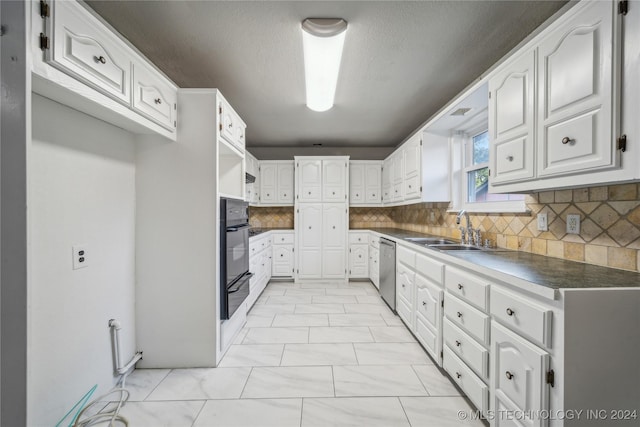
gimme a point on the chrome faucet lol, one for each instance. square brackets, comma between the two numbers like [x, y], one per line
[465, 233]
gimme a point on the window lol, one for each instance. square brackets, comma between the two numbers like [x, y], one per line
[476, 173]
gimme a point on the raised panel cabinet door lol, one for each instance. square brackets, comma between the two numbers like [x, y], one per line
[153, 96]
[282, 260]
[285, 183]
[334, 241]
[356, 183]
[334, 180]
[428, 302]
[373, 182]
[387, 168]
[359, 261]
[518, 377]
[227, 121]
[397, 166]
[511, 126]
[309, 238]
[268, 182]
[412, 157]
[577, 80]
[309, 180]
[85, 49]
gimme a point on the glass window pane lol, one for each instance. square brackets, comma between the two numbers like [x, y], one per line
[481, 148]
[478, 185]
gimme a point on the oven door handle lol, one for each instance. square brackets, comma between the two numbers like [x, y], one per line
[241, 282]
[240, 227]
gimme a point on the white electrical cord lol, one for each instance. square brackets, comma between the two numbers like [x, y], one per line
[104, 414]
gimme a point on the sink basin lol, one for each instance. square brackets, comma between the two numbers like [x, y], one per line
[456, 247]
[430, 240]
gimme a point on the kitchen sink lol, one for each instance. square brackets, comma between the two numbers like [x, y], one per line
[430, 240]
[456, 247]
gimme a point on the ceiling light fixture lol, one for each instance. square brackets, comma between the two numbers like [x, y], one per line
[322, 41]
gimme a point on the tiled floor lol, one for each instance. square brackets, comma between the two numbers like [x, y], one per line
[322, 354]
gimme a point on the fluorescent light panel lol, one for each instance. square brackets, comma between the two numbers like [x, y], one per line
[322, 40]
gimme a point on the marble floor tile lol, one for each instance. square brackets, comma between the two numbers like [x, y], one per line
[282, 320]
[354, 412]
[141, 382]
[346, 291]
[356, 320]
[319, 285]
[161, 414]
[319, 308]
[369, 299]
[306, 292]
[377, 381]
[315, 381]
[334, 299]
[240, 337]
[360, 284]
[373, 291]
[393, 320]
[437, 411]
[291, 299]
[367, 308]
[283, 285]
[272, 309]
[436, 383]
[391, 334]
[252, 355]
[269, 292]
[391, 354]
[259, 320]
[318, 354]
[201, 383]
[250, 413]
[276, 336]
[340, 334]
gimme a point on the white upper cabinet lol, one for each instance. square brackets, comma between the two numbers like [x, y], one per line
[309, 180]
[365, 182]
[154, 96]
[276, 182]
[373, 181]
[268, 182]
[412, 155]
[386, 181]
[285, 182]
[576, 69]
[334, 180]
[511, 127]
[356, 183]
[231, 127]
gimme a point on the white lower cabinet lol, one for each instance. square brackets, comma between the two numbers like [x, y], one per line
[475, 389]
[260, 261]
[282, 265]
[429, 316]
[405, 282]
[358, 255]
[374, 260]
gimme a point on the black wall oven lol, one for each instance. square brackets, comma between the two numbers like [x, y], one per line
[234, 255]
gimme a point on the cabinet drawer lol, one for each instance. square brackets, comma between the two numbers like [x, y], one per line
[406, 256]
[522, 315]
[154, 97]
[470, 383]
[87, 50]
[474, 355]
[428, 300]
[404, 283]
[282, 238]
[404, 312]
[427, 337]
[429, 268]
[470, 319]
[357, 237]
[467, 287]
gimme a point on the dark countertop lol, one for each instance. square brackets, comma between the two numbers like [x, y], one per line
[553, 273]
[257, 231]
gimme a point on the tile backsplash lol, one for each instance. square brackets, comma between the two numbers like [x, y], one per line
[609, 229]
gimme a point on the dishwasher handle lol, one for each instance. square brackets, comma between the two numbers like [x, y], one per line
[388, 243]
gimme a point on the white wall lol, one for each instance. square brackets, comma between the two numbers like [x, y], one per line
[81, 191]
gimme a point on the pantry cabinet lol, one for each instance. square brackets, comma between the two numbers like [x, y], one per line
[276, 182]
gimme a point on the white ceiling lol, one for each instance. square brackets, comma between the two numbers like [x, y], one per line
[403, 60]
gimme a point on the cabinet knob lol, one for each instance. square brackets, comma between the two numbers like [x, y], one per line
[309, 192]
[424, 303]
[510, 312]
[309, 227]
[458, 343]
[409, 185]
[459, 314]
[285, 195]
[334, 227]
[357, 195]
[403, 285]
[510, 158]
[458, 374]
[460, 286]
[101, 59]
[282, 239]
[230, 125]
[333, 192]
[509, 375]
[281, 255]
[566, 140]
[158, 101]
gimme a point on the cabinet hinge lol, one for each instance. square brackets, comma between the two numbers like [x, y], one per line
[345, 197]
[44, 9]
[442, 303]
[622, 143]
[489, 172]
[220, 127]
[220, 109]
[441, 355]
[551, 378]
[44, 42]
[421, 188]
[175, 124]
[421, 143]
[349, 250]
[298, 210]
[623, 7]
[175, 106]
[298, 271]
[489, 95]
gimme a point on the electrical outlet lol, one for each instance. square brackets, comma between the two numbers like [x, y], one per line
[80, 259]
[542, 222]
[432, 216]
[573, 224]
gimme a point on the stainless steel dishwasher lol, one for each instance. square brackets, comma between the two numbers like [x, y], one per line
[388, 272]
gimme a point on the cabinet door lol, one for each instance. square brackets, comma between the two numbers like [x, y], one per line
[356, 183]
[412, 157]
[359, 261]
[85, 49]
[511, 127]
[153, 96]
[268, 182]
[576, 111]
[374, 259]
[373, 180]
[227, 121]
[285, 183]
[334, 180]
[309, 180]
[397, 166]
[334, 241]
[309, 237]
[282, 260]
[519, 373]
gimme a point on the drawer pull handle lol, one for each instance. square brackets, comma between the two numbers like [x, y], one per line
[458, 374]
[424, 303]
[460, 286]
[459, 314]
[510, 158]
[158, 101]
[510, 312]
[281, 255]
[458, 343]
[509, 375]
[566, 140]
[101, 59]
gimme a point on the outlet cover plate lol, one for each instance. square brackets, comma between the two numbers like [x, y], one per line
[80, 259]
[543, 225]
[573, 224]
